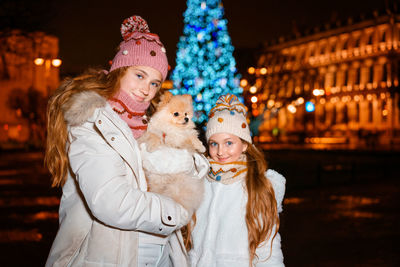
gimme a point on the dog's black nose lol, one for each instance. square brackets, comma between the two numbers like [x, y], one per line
[186, 120]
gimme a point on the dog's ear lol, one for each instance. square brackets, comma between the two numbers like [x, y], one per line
[188, 98]
[165, 98]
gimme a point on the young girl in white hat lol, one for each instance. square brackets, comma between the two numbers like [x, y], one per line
[237, 223]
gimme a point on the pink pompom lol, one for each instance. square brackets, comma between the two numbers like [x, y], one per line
[133, 24]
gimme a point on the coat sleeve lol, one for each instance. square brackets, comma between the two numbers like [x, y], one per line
[113, 198]
[279, 184]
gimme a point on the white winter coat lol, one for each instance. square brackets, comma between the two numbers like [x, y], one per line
[220, 235]
[104, 201]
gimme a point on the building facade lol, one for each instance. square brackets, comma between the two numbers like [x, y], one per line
[336, 85]
[29, 71]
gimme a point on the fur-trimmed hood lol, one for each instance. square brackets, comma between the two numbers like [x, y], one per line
[81, 106]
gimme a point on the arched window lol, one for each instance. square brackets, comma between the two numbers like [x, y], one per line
[383, 38]
[345, 115]
[357, 42]
[370, 39]
[384, 73]
[356, 75]
[345, 44]
[345, 77]
[333, 47]
[357, 118]
[371, 74]
[370, 112]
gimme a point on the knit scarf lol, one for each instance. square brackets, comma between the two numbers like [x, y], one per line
[228, 173]
[131, 111]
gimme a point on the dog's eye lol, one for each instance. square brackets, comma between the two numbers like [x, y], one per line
[176, 114]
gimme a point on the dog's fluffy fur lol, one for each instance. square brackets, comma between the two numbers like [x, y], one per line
[172, 126]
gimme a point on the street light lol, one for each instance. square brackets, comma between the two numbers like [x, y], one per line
[48, 63]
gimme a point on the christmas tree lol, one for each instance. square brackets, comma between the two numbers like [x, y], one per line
[205, 67]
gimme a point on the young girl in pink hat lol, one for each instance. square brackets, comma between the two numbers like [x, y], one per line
[106, 215]
[237, 222]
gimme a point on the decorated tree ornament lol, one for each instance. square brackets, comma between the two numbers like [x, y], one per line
[133, 24]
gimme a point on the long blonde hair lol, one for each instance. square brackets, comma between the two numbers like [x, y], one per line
[261, 210]
[104, 84]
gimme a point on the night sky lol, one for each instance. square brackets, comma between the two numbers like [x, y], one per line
[88, 30]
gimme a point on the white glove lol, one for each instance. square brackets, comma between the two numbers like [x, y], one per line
[166, 160]
[202, 166]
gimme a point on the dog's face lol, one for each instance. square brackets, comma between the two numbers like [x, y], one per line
[176, 110]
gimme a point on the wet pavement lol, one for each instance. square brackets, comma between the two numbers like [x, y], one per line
[340, 208]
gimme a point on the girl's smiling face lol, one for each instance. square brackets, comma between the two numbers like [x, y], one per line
[224, 147]
[141, 82]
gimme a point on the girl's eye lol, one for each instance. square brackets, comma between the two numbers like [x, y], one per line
[155, 85]
[176, 114]
[213, 144]
[229, 143]
[139, 76]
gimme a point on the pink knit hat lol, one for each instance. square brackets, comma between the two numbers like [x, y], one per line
[140, 47]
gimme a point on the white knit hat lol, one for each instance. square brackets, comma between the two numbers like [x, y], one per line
[228, 116]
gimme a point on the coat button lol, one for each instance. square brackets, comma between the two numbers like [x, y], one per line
[169, 218]
[99, 121]
[160, 229]
[112, 138]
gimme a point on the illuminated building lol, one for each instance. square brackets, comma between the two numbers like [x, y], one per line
[336, 85]
[29, 71]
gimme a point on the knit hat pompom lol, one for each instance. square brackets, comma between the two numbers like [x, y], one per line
[229, 102]
[140, 47]
[133, 24]
[228, 116]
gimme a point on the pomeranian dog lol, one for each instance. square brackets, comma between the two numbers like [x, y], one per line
[171, 126]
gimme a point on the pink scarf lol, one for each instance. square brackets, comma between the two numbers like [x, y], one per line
[131, 111]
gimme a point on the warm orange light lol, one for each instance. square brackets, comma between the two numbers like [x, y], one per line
[253, 89]
[318, 92]
[270, 103]
[385, 112]
[291, 108]
[255, 112]
[39, 61]
[251, 70]
[254, 99]
[243, 83]
[263, 71]
[56, 62]
[299, 101]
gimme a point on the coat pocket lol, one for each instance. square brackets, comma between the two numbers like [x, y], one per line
[103, 245]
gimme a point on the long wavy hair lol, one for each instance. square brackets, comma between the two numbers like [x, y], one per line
[104, 84]
[261, 209]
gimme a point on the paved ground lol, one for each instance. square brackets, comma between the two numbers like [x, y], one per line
[341, 208]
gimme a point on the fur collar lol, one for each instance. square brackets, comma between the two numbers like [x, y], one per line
[81, 106]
